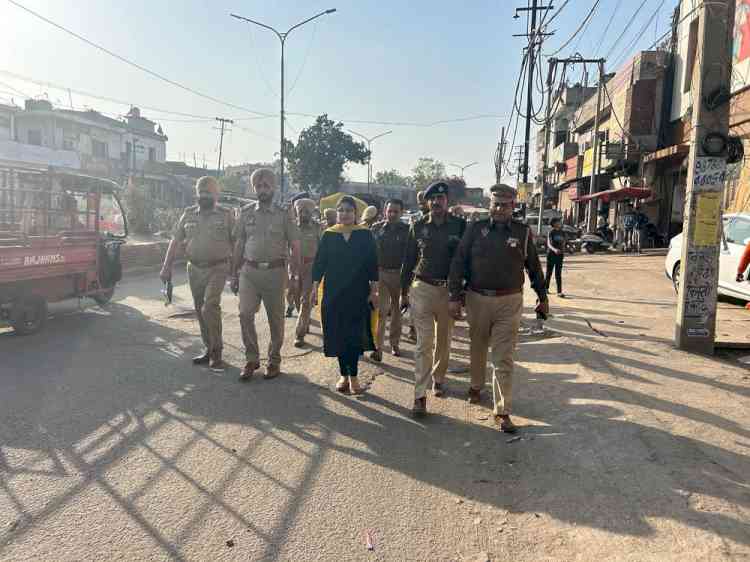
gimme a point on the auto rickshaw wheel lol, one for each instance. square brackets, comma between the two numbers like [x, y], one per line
[28, 315]
[104, 297]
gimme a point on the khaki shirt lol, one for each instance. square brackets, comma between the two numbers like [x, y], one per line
[309, 235]
[266, 232]
[493, 256]
[207, 235]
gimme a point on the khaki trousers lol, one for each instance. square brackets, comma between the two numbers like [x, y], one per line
[389, 299]
[206, 286]
[267, 286]
[434, 325]
[494, 323]
[305, 301]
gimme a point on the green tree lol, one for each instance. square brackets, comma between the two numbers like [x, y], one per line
[426, 171]
[392, 177]
[317, 161]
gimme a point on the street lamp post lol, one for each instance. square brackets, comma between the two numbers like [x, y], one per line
[462, 168]
[369, 149]
[282, 39]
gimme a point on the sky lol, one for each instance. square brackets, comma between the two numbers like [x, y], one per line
[407, 63]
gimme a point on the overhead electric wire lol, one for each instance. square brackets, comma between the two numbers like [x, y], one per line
[304, 59]
[606, 28]
[625, 30]
[626, 51]
[135, 64]
[46, 84]
[577, 31]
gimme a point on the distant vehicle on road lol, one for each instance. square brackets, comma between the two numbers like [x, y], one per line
[734, 238]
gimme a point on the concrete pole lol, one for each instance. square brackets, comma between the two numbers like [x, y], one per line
[695, 327]
[545, 158]
[530, 92]
[591, 207]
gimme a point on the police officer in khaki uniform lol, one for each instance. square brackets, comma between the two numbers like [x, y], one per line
[488, 267]
[432, 242]
[391, 236]
[205, 231]
[309, 235]
[264, 234]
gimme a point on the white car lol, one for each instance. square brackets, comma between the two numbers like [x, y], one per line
[734, 238]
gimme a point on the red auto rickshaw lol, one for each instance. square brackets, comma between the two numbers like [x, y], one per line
[60, 238]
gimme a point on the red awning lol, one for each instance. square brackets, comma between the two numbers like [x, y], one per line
[618, 194]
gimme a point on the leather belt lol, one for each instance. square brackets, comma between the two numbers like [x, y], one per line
[206, 264]
[495, 292]
[266, 264]
[433, 282]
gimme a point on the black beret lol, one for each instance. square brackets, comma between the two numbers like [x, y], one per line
[436, 188]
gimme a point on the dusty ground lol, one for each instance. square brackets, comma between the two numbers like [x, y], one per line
[112, 446]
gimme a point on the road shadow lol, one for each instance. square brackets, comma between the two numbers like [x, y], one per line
[579, 460]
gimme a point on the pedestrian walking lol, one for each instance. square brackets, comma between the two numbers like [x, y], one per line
[424, 282]
[391, 236]
[629, 221]
[205, 232]
[424, 210]
[309, 233]
[555, 255]
[641, 221]
[265, 236]
[347, 261]
[487, 271]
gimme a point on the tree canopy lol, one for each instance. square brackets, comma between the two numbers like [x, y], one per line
[392, 177]
[322, 151]
[426, 171]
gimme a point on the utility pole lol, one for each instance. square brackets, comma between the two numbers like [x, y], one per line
[223, 123]
[533, 38]
[695, 326]
[547, 127]
[519, 159]
[500, 156]
[591, 207]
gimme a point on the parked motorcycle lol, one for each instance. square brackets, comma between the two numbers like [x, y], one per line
[591, 243]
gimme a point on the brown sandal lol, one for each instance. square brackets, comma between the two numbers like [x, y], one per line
[343, 386]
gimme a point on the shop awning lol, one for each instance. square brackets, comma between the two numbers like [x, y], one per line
[674, 150]
[618, 194]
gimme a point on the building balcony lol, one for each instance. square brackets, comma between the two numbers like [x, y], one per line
[33, 155]
[563, 151]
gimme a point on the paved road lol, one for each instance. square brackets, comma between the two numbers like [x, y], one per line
[112, 446]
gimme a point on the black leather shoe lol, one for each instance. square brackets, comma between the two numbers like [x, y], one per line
[505, 424]
[419, 410]
[475, 395]
[202, 359]
[438, 388]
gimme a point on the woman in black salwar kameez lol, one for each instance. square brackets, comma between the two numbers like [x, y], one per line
[348, 262]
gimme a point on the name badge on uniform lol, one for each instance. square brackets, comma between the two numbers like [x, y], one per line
[513, 242]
